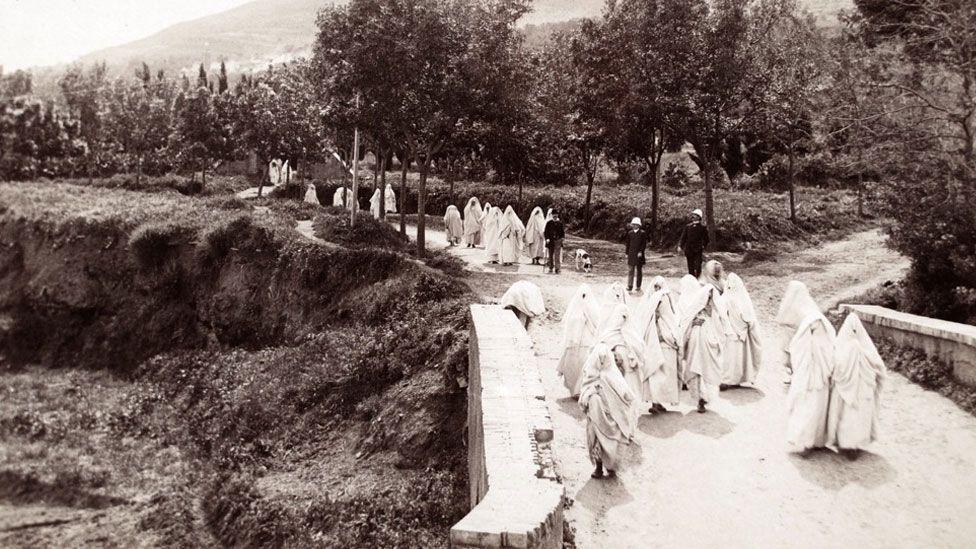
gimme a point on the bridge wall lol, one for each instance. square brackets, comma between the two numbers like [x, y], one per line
[516, 498]
[951, 342]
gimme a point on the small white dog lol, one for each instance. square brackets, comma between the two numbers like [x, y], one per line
[583, 261]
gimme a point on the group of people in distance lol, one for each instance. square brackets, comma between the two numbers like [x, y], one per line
[503, 235]
[617, 356]
[342, 198]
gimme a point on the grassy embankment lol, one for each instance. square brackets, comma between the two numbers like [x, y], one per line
[190, 371]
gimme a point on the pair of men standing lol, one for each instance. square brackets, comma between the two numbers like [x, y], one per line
[694, 240]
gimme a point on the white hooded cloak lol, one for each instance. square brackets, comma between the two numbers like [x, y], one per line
[579, 325]
[855, 395]
[621, 334]
[610, 407]
[511, 231]
[535, 239]
[374, 204]
[472, 222]
[811, 354]
[525, 297]
[389, 195]
[311, 196]
[661, 343]
[491, 226]
[743, 353]
[453, 225]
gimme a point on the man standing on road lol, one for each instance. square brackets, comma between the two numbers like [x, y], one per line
[554, 234]
[636, 246]
[694, 240]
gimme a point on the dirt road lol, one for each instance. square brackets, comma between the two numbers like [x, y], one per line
[725, 479]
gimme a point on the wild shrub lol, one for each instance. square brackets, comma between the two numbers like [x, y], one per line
[367, 233]
[153, 244]
[929, 372]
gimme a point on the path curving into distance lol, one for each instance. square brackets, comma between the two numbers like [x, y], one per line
[725, 479]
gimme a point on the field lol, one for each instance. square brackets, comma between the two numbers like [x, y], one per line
[189, 371]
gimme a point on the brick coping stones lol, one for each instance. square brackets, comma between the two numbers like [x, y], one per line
[516, 497]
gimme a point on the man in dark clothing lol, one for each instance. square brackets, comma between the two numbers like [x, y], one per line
[694, 240]
[636, 246]
[554, 234]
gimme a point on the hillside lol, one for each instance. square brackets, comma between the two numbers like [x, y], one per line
[263, 31]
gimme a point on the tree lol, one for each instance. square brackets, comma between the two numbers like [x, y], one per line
[426, 67]
[794, 58]
[17, 84]
[202, 81]
[82, 92]
[222, 85]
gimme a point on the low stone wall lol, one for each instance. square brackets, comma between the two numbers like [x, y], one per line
[516, 498]
[951, 342]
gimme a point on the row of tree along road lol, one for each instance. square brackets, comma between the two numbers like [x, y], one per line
[887, 95]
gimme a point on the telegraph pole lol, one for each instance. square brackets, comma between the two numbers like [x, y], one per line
[355, 171]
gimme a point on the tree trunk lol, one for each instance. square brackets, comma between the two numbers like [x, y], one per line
[655, 200]
[520, 191]
[421, 206]
[792, 181]
[404, 164]
[139, 171]
[860, 193]
[710, 165]
[203, 172]
[265, 174]
[382, 188]
[589, 197]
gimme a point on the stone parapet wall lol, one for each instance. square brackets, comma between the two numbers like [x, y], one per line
[951, 342]
[516, 498]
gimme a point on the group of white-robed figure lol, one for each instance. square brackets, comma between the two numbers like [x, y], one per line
[342, 198]
[503, 235]
[616, 357]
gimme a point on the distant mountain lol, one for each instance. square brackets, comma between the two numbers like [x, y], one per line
[266, 31]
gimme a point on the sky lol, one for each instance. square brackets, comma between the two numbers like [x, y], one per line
[46, 32]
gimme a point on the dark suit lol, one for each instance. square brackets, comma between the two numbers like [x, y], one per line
[636, 246]
[694, 240]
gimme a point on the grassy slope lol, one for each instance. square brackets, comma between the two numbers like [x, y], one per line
[293, 402]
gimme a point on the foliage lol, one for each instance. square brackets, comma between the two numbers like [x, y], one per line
[929, 372]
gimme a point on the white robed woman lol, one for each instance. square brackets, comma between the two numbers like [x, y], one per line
[661, 347]
[390, 197]
[525, 300]
[580, 325]
[339, 198]
[615, 294]
[703, 327]
[855, 394]
[611, 413]
[621, 334]
[472, 222]
[492, 225]
[535, 239]
[453, 225]
[811, 357]
[374, 204]
[743, 353]
[511, 232]
[311, 196]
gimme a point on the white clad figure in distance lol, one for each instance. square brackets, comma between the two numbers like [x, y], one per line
[743, 354]
[579, 325]
[453, 225]
[662, 337]
[621, 335]
[855, 394]
[374, 204]
[511, 233]
[611, 413]
[492, 226]
[535, 239]
[703, 331]
[311, 196]
[389, 196]
[525, 300]
[811, 356]
[472, 223]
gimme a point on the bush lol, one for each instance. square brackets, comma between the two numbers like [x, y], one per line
[928, 372]
[934, 216]
[334, 225]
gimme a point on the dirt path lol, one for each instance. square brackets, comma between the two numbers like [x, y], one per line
[725, 479]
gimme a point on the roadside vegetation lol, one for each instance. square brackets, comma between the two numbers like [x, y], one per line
[213, 377]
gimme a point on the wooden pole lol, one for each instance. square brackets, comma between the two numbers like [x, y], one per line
[355, 173]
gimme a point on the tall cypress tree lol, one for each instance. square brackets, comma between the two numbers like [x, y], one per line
[222, 79]
[202, 78]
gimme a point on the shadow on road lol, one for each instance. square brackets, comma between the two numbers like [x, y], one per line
[601, 495]
[832, 471]
[741, 396]
[570, 407]
[666, 425]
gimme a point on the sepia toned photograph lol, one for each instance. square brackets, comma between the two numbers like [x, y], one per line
[541, 274]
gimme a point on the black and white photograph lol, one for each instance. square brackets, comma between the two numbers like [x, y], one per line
[477, 274]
